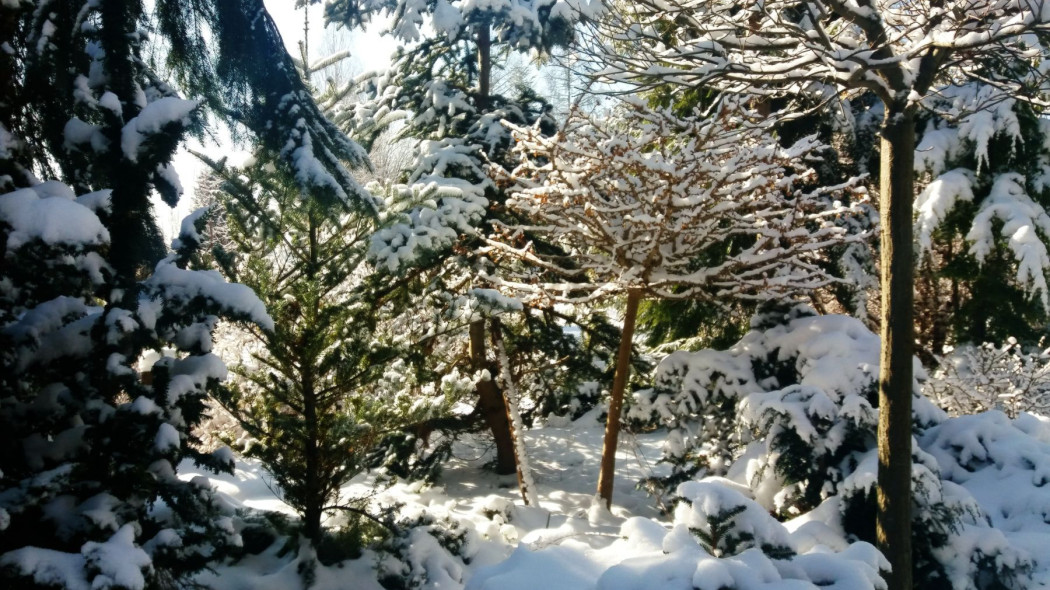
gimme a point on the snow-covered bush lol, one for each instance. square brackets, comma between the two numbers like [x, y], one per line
[728, 523]
[428, 552]
[789, 413]
[972, 379]
[806, 384]
[89, 495]
[720, 539]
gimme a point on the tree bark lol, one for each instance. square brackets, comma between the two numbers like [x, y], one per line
[314, 499]
[612, 422]
[893, 521]
[490, 399]
[491, 406]
[484, 65]
[314, 496]
[528, 495]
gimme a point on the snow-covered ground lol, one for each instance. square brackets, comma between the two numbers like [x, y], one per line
[571, 542]
[564, 459]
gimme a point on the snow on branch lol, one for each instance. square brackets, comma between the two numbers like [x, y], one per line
[678, 207]
[895, 49]
[520, 23]
[427, 215]
[1024, 225]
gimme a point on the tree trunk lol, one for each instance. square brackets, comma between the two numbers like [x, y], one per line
[612, 422]
[893, 521]
[514, 424]
[313, 498]
[490, 402]
[484, 65]
[490, 399]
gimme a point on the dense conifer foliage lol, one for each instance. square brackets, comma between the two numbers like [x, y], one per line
[107, 335]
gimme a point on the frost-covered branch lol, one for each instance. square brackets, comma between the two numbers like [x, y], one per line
[679, 207]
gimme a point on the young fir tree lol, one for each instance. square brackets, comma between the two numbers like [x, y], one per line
[311, 396]
[104, 340]
[441, 86]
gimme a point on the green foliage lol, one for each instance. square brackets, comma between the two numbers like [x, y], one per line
[439, 88]
[726, 523]
[105, 335]
[791, 411]
[314, 394]
[230, 53]
[979, 287]
[693, 324]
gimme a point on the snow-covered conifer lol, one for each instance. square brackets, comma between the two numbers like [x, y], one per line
[789, 413]
[313, 394]
[106, 335]
[981, 220]
[102, 385]
[440, 88]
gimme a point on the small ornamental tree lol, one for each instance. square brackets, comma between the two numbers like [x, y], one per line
[645, 205]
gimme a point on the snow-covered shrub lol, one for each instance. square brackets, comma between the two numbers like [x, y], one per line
[947, 523]
[720, 539]
[568, 404]
[723, 540]
[789, 412]
[972, 379]
[428, 552]
[797, 392]
[728, 523]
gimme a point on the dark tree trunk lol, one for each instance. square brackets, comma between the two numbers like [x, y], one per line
[313, 498]
[612, 422]
[893, 522]
[484, 65]
[497, 343]
[491, 406]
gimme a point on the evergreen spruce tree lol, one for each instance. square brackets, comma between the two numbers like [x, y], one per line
[982, 222]
[441, 87]
[105, 337]
[315, 396]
